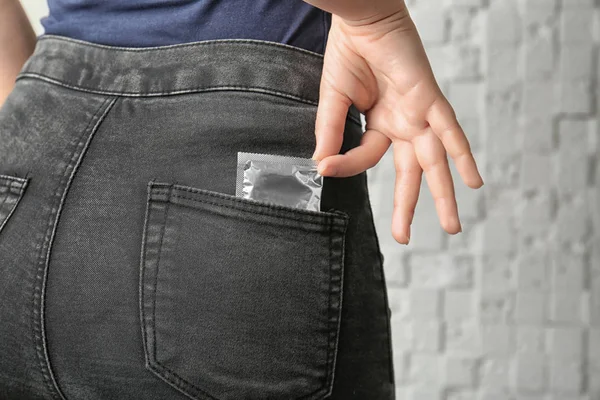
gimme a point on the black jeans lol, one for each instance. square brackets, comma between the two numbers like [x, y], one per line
[128, 268]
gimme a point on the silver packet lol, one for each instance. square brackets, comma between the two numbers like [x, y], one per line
[283, 180]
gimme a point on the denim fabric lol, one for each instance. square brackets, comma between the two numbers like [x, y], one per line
[128, 268]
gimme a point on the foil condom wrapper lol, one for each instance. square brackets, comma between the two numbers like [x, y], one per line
[281, 180]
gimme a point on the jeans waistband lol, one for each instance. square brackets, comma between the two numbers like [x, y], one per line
[221, 64]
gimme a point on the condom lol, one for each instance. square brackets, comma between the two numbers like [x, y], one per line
[281, 180]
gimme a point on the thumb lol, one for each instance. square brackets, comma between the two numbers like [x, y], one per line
[331, 121]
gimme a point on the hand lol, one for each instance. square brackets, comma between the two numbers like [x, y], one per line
[381, 67]
[17, 42]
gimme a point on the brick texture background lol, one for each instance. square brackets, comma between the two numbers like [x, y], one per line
[509, 309]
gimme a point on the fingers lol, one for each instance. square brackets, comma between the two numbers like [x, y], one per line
[432, 157]
[406, 190]
[331, 121]
[372, 147]
[442, 120]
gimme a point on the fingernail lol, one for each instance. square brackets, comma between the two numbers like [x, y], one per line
[315, 155]
[480, 178]
[330, 171]
[456, 221]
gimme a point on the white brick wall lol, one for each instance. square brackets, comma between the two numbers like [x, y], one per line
[35, 10]
[509, 309]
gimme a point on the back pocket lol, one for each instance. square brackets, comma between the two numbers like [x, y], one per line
[12, 189]
[240, 299]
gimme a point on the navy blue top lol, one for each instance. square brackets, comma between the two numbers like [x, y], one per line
[143, 23]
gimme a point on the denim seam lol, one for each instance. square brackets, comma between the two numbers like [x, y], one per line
[18, 195]
[3, 220]
[210, 42]
[160, 370]
[169, 92]
[244, 202]
[17, 186]
[152, 364]
[39, 291]
[11, 185]
[268, 214]
[342, 261]
[50, 382]
[199, 89]
[12, 178]
[382, 279]
[160, 245]
[339, 219]
[14, 187]
[332, 332]
[8, 193]
[142, 272]
[181, 383]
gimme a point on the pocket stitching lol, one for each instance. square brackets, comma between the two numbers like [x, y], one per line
[295, 212]
[155, 285]
[12, 178]
[161, 368]
[338, 317]
[270, 210]
[19, 184]
[153, 364]
[340, 220]
[332, 334]
[328, 220]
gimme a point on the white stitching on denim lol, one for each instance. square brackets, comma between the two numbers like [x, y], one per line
[39, 324]
[18, 194]
[172, 92]
[12, 178]
[177, 92]
[251, 42]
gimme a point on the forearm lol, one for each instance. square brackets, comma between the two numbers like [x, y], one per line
[361, 11]
[17, 40]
